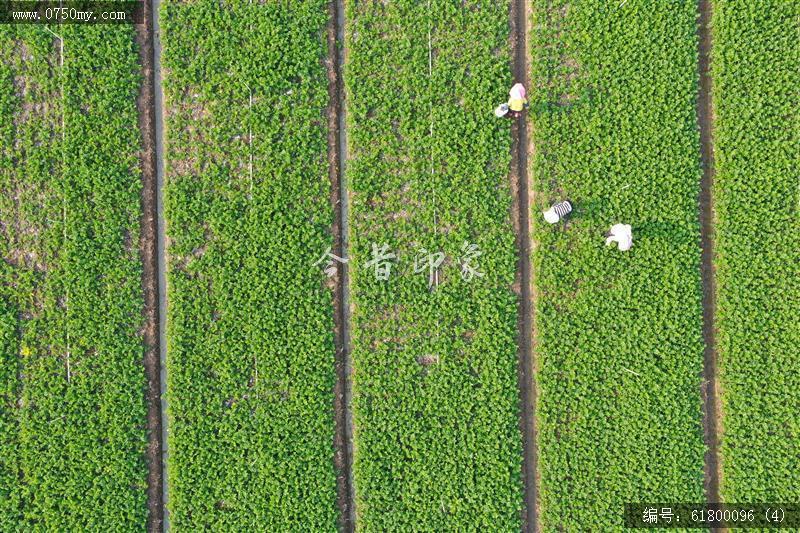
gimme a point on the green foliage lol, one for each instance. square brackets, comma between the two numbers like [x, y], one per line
[10, 513]
[250, 326]
[70, 282]
[616, 133]
[757, 148]
[435, 400]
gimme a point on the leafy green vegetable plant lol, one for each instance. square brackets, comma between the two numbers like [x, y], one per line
[250, 327]
[755, 62]
[619, 351]
[435, 400]
[72, 407]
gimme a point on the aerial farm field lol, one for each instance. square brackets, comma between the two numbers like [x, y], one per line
[757, 146]
[435, 402]
[283, 266]
[250, 328]
[620, 349]
[72, 407]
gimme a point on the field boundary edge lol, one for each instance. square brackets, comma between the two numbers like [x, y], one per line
[337, 156]
[520, 22]
[710, 391]
[158, 107]
[149, 254]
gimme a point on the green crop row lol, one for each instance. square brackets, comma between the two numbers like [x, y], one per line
[756, 73]
[620, 350]
[250, 326]
[435, 401]
[72, 407]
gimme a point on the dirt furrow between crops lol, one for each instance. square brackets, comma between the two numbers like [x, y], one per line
[520, 17]
[705, 117]
[149, 251]
[158, 122]
[337, 156]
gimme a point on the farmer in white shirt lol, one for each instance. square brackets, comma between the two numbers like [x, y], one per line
[622, 235]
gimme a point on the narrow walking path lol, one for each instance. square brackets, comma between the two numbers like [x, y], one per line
[337, 158]
[705, 119]
[519, 170]
[150, 258]
[161, 246]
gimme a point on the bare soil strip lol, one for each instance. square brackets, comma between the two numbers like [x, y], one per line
[149, 252]
[158, 127]
[337, 154]
[521, 208]
[705, 118]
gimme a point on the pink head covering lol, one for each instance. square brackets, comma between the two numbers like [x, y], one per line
[517, 91]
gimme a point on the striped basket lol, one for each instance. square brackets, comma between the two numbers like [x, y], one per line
[558, 211]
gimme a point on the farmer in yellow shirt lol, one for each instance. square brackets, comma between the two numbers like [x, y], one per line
[517, 100]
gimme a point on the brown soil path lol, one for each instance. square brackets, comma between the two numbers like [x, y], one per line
[159, 113]
[519, 175]
[337, 156]
[705, 119]
[148, 240]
